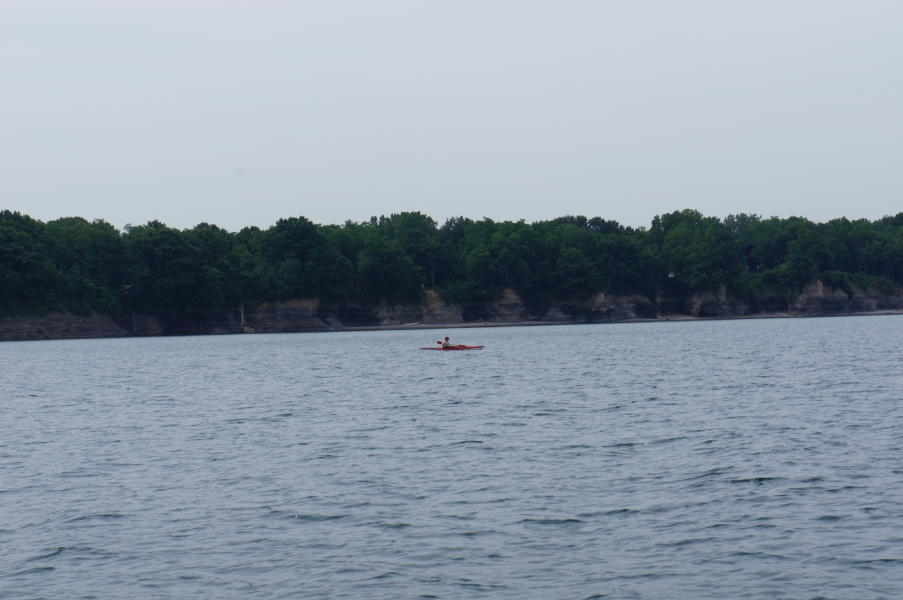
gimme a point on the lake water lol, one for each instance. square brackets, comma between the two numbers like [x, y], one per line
[722, 459]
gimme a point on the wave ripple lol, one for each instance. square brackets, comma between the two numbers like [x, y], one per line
[740, 459]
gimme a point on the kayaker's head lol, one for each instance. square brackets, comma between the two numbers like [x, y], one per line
[446, 338]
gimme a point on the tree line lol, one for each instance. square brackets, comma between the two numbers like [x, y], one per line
[74, 265]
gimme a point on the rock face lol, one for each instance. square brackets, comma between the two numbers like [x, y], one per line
[301, 314]
[307, 314]
[507, 308]
[708, 304]
[773, 304]
[434, 312]
[510, 308]
[297, 315]
[60, 327]
[621, 308]
[817, 299]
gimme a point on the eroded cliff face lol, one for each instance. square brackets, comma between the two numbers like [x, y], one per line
[434, 312]
[509, 307]
[297, 315]
[60, 326]
[704, 305]
[308, 314]
[300, 314]
[817, 299]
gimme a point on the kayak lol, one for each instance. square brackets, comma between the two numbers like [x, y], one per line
[455, 348]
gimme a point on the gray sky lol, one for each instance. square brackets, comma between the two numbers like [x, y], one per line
[239, 113]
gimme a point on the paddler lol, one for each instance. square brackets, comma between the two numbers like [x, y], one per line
[447, 344]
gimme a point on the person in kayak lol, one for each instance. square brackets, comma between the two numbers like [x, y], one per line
[447, 344]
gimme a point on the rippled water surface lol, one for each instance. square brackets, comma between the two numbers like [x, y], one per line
[727, 459]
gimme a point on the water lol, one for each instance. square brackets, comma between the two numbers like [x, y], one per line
[742, 459]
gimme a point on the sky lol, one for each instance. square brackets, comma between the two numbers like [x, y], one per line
[239, 113]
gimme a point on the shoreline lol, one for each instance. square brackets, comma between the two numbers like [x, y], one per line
[62, 326]
[508, 309]
[673, 319]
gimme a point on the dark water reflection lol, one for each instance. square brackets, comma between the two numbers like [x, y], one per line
[669, 460]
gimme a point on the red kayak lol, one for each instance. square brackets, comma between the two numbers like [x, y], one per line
[455, 348]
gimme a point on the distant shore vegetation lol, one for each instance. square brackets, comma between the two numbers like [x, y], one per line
[78, 266]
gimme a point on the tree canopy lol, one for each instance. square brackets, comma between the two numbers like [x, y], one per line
[71, 264]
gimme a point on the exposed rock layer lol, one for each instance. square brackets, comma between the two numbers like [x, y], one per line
[60, 326]
[307, 314]
[816, 299]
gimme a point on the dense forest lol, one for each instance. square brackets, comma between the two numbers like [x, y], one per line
[78, 266]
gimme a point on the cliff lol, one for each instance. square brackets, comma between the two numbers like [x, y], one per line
[60, 326]
[298, 315]
[510, 308]
[308, 314]
[816, 299]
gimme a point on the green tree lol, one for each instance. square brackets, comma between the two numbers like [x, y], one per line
[387, 273]
[168, 270]
[807, 257]
[29, 281]
[700, 251]
[89, 257]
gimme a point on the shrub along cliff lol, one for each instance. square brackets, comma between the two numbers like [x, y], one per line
[681, 264]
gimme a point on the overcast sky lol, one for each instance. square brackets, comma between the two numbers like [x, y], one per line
[239, 113]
